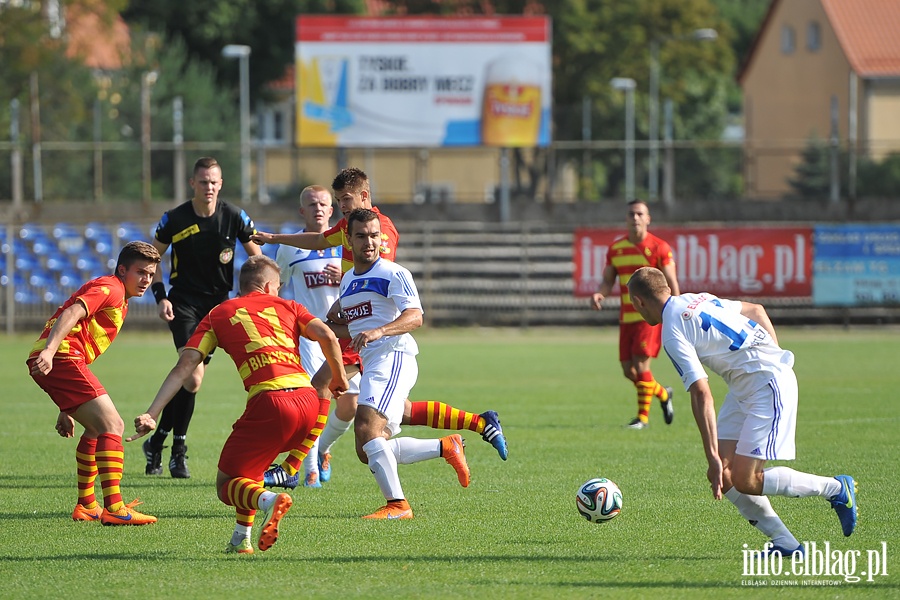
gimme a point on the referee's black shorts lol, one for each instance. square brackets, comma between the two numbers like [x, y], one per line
[189, 310]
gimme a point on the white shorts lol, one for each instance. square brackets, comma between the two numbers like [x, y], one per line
[312, 359]
[386, 384]
[765, 423]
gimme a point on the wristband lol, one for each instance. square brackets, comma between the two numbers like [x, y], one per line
[159, 291]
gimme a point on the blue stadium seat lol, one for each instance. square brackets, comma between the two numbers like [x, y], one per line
[91, 266]
[32, 232]
[69, 239]
[58, 263]
[42, 279]
[99, 238]
[26, 261]
[130, 232]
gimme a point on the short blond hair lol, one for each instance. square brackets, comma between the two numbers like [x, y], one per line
[648, 282]
[256, 271]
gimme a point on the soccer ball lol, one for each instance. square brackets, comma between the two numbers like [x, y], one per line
[599, 500]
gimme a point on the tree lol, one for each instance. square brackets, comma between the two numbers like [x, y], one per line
[206, 27]
[596, 40]
[812, 175]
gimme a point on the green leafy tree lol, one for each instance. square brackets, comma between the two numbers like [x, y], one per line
[879, 179]
[206, 27]
[596, 40]
[811, 176]
[29, 47]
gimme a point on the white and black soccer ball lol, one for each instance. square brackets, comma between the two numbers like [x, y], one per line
[599, 500]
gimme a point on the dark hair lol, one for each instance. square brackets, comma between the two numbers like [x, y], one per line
[254, 272]
[639, 201]
[206, 162]
[351, 179]
[360, 215]
[135, 251]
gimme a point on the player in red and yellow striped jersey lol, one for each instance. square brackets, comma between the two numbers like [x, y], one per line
[80, 331]
[639, 342]
[260, 331]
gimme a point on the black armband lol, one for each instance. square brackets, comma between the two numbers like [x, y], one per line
[159, 291]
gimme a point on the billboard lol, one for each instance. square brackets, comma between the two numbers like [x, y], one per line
[857, 265]
[726, 261]
[422, 81]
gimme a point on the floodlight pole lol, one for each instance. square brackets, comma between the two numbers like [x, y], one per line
[699, 35]
[242, 53]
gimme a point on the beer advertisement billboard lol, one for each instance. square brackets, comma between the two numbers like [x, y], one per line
[422, 81]
[726, 261]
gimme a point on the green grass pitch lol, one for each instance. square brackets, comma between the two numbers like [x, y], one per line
[514, 533]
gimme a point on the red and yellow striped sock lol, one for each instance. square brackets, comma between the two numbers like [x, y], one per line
[110, 458]
[296, 456]
[243, 494]
[87, 471]
[660, 392]
[438, 415]
[245, 516]
[645, 386]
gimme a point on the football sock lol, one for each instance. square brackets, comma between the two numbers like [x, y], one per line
[660, 392]
[87, 471]
[110, 458]
[295, 458]
[784, 481]
[241, 532]
[383, 465]
[438, 415]
[178, 441]
[645, 386]
[245, 495]
[412, 450]
[334, 429]
[759, 512]
[183, 409]
[158, 439]
[311, 461]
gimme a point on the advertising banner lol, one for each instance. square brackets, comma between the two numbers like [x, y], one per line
[422, 81]
[727, 261]
[856, 265]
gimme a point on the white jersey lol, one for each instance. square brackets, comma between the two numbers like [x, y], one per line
[304, 271]
[375, 298]
[703, 330]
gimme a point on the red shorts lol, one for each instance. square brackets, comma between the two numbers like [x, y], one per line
[639, 339]
[69, 383]
[273, 422]
[349, 355]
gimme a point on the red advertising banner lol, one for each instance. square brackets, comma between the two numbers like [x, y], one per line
[727, 261]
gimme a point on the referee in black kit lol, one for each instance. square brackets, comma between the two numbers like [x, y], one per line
[203, 234]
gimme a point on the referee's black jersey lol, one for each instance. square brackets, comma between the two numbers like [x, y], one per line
[203, 247]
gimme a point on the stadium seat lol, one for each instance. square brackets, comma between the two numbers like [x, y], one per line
[131, 232]
[32, 232]
[69, 239]
[58, 263]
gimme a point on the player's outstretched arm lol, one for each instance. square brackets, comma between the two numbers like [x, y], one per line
[308, 241]
[187, 362]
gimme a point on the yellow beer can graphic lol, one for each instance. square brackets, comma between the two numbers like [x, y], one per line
[511, 106]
